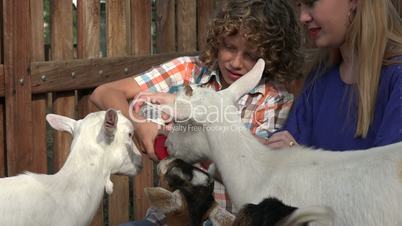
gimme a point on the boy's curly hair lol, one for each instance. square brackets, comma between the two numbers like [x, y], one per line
[270, 25]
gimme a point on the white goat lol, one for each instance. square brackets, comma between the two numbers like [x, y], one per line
[362, 187]
[102, 145]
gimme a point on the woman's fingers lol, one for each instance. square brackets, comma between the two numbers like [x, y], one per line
[281, 140]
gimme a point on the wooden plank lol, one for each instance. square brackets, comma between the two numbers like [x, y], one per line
[88, 46]
[88, 28]
[38, 101]
[17, 58]
[117, 40]
[141, 44]
[141, 11]
[142, 180]
[400, 7]
[89, 73]
[2, 81]
[206, 10]
[62, 49]
[3, 161]
[165, 26]
[116, 27]
[186, 25]
[2, 35]
[62, 140]
[62, 29]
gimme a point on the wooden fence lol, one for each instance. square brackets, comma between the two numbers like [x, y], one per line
[38, 77]
[35, 80]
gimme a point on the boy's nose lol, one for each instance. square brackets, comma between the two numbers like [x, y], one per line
[305, 16]
[237, 61]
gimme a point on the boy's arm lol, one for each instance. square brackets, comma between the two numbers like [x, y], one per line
[116, 95]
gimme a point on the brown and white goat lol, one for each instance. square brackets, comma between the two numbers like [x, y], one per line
[186, 195]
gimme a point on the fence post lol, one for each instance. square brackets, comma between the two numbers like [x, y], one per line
[186, 25]
[39, 100]
[165, 26]
[17, 59]
[206, 11]
[88, 46]
[116, 39]
[62, 49]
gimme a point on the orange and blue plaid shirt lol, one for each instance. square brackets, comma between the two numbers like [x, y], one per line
[263, 110]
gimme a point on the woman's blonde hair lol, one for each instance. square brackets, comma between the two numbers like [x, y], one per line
[375, 38]
[270, 25]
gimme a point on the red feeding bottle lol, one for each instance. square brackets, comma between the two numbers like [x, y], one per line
[160, 149]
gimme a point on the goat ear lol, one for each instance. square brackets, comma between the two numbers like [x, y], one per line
[110, 123]
[221, 217]
[245, 83]
[61, 123]
[164, 200]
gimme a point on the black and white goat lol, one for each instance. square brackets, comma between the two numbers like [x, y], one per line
[364, 188]
[186, 195]
[186, 199]
[102, 145]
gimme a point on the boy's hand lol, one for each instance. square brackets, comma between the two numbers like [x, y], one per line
[155, 98]
[145, 134]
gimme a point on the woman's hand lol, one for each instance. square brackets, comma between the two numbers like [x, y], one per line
[280, 140]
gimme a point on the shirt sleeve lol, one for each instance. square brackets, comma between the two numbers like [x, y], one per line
[390, 130]
[168, 76]
[276, 110]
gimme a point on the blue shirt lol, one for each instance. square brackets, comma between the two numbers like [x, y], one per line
[324, 115]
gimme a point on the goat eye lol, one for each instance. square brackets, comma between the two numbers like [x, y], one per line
[130, 134]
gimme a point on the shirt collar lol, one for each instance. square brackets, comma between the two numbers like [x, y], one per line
[214, 76]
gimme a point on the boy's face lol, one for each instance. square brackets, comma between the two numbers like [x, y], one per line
[235, 58]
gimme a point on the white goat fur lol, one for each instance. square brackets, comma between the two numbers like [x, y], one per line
[71, 196]
[362, 187]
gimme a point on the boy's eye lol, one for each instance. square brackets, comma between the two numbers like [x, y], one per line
[308, 3]
[229, 47]
[252, 56]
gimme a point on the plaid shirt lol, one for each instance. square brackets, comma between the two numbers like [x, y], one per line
[263, 110]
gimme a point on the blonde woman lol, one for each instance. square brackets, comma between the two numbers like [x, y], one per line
[352, 99]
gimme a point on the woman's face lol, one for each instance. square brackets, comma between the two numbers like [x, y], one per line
[326, 21]
[235, 58]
